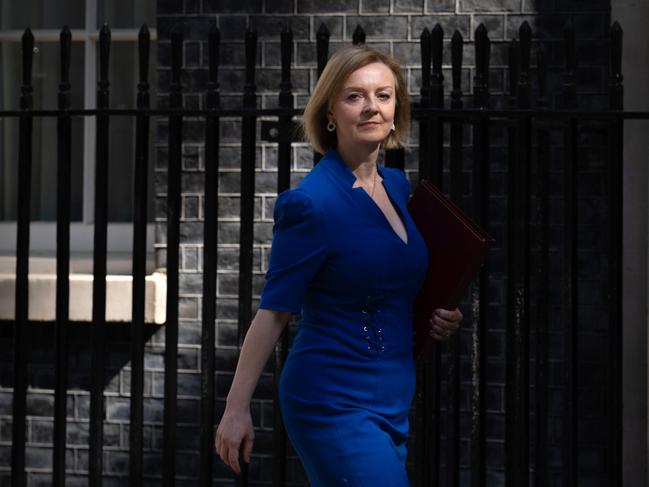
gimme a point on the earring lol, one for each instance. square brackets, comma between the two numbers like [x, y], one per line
[393, 127]
[331, 126]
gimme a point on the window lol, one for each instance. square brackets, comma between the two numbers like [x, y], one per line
[84, 17]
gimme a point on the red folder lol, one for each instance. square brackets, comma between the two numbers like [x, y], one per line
[457, 248]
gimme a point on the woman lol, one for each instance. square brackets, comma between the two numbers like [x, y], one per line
[347, 255]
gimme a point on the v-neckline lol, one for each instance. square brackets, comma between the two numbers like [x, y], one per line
[391, 201]
[350, 178]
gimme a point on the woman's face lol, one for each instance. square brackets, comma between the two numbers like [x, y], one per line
[363, 111]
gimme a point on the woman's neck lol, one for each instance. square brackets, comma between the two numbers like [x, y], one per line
[360, 160]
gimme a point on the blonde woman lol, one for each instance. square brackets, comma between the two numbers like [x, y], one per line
[348, 257]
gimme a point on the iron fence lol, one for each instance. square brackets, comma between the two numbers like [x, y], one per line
[527, 123]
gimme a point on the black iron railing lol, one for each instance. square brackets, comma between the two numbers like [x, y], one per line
[528, 141]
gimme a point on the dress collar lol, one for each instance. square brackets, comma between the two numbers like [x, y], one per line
[342, 170]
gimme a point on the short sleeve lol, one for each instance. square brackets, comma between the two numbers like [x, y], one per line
[297, 253]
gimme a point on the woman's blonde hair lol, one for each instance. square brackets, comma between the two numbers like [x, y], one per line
[341, 65]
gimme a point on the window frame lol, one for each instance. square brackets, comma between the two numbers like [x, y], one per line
[120, 234]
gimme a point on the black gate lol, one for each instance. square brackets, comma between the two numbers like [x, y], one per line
[514, 168]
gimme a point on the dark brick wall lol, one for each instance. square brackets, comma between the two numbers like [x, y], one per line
[394, 26]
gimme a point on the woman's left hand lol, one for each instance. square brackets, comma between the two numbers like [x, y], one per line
[443, 323]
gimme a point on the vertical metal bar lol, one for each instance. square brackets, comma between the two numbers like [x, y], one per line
[280, 442]
[616, 158]
[453, 345]
[140, 191]
[62, 261]
[248, 142]
[434, 170]
[210, 230]
[395, 158]
[517, 391]
[99, 268]
[322, 54]
[436, 163]
[522, 256]
[173, 242]
[421, 466]
[425, 46]
[570, 426]
[542, 223]
[428, 398]
[19, 406]
[422, 399]
[479, 298]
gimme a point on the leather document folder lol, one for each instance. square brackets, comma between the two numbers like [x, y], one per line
[457, 248]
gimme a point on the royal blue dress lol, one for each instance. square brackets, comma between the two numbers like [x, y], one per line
[349, 379]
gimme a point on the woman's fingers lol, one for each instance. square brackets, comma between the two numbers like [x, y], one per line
[219, 445]
[448, 315]
[439, 336]
[235, 433]
[247, 448]
[233, 458]
[444, 323]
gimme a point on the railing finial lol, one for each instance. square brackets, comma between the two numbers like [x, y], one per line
[426, 57]
[481, 79]
[616, 86]
[457, 47]
[249, 97]
[359, 35]
[144, 48]
[570, 75]
[322, 47]
[437, 82]
[524, 90]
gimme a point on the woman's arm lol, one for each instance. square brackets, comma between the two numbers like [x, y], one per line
[235, 426]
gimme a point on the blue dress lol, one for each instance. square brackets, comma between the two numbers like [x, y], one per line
[349, 379]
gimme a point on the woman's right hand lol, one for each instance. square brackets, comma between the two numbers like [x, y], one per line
[234, 429]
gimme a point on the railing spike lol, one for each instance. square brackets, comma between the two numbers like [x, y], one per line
[176, 54]
[104, 53]
[542, 71]
[457, 47]
[481, 79]
[359, 35]
[569, 46]
[513, 58]
[425, 49]
[144, 49]
[322, 47]
[213, 41]
[65, 40]
[285, 95]
[249, 98]
[616, 87]
[569, 83]
[437, 82]
[525, 47]
[28, 57]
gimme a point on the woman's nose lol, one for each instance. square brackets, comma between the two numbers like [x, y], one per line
[369, 104]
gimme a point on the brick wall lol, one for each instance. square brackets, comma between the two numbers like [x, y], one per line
[391, 25]
[395, 26]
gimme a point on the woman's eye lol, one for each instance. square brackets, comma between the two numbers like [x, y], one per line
[384, 96]
[354, 96]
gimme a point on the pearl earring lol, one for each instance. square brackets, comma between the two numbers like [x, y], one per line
[393, 127]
